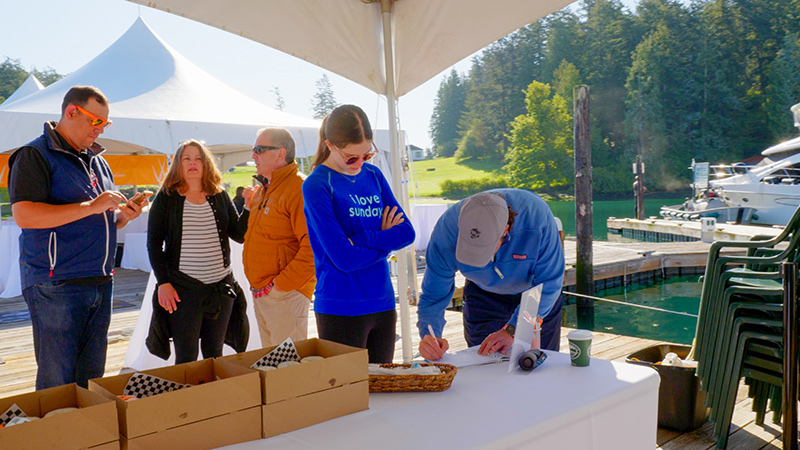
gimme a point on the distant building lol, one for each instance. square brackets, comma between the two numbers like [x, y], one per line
[417, 154]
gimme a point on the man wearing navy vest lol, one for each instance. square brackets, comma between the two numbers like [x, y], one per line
[62, 196]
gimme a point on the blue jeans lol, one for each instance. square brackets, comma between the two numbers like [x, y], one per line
[70, 331]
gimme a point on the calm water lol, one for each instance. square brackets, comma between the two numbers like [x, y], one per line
[680, 294]
[602, 210]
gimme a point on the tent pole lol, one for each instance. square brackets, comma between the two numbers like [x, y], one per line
[397, 180]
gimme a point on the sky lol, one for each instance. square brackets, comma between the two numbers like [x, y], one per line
[66, 34]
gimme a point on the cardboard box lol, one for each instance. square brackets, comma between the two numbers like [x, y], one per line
[92, 426]
[298, 396]
[224, 398]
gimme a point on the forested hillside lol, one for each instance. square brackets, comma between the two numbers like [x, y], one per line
[711, 80]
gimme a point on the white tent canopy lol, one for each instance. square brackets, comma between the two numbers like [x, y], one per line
[29, 86]
[158, 98]
[345, 36]
[388, 46]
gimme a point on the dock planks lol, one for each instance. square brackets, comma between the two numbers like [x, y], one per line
[691, 229]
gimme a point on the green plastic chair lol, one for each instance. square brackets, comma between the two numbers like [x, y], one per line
[735, 298]
[717, 278]
[727, 395]
[723, 374]
[738, 310]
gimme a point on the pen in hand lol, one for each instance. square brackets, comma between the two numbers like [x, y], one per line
[433, 335]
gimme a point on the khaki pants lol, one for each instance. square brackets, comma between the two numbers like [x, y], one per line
[281, 315]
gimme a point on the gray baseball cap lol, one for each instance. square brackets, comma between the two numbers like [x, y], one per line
[481, 224]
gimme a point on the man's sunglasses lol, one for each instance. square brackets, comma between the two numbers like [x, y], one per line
[97, 122]
[354, 159]
[259, 149]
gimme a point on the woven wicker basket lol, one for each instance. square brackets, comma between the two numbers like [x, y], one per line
[406, 383]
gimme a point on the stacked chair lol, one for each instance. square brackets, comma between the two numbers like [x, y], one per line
[740, 325]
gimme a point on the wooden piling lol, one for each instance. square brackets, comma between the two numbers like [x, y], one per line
[584, 269]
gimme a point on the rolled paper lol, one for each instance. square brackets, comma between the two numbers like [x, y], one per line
[531, 359]
[308, 359]
[266, 368]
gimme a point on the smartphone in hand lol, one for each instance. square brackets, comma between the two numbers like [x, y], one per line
[140, 197]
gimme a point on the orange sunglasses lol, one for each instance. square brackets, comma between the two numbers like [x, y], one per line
[96, 121]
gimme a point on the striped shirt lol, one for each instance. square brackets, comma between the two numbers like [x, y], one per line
[201, 252]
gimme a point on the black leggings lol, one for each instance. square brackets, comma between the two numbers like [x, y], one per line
[189, 323]
[376, 332]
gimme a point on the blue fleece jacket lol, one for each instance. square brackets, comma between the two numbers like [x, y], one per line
[533, 255]
[343, 214]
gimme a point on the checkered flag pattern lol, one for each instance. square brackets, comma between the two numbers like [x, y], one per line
[284, 352]
[12, 412]
[142, 385]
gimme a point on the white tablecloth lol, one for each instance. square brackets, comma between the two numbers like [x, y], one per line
[138, 357]
[137, 225]
[423, 218]
[10, 284]
[134, 254]
[605, 406]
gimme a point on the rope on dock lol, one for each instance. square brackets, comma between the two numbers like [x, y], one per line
[630, 304]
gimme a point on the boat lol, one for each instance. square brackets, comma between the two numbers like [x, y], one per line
[765, 193]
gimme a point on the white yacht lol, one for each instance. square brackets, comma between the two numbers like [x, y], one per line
[766, 193]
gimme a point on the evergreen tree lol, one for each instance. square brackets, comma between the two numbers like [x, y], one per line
[47, 76]
[783, 88]
[541, 142]
[447, 111]
[608, 40]
[324, 101]
[477, 142]
[661, 112]
[563, 37]
[496, 84]
[12, 75]
[565, 78]
[720, 59]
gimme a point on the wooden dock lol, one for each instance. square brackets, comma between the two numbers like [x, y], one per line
[655, 229]
[18, 369]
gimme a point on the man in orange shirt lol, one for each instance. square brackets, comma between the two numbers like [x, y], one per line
[278, 259]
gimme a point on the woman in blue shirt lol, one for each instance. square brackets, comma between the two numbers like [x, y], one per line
[354, 223]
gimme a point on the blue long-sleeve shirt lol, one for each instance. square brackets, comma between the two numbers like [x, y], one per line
[533, 255]
[343, 213]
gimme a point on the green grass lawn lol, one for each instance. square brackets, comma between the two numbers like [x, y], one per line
[241, 176]
[430, 173]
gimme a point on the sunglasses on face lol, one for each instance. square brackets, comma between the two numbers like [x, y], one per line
[97, 122]
[259, 149]
[350, 160]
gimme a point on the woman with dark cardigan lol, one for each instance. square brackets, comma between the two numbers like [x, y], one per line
[190, 222]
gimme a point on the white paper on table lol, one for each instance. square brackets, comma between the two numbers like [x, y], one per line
[528, 312]
[470, 357]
